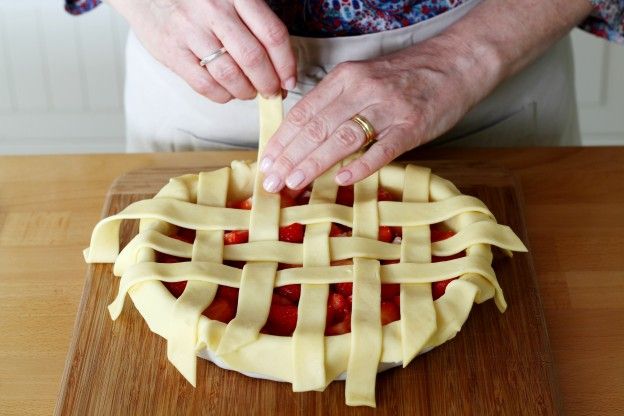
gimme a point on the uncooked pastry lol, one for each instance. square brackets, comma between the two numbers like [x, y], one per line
[198, 202]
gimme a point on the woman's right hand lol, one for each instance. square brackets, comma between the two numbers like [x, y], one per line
[179, 33]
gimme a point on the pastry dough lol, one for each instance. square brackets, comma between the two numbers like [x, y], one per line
[198, 202]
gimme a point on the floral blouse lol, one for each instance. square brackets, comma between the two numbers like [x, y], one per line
[325, 18]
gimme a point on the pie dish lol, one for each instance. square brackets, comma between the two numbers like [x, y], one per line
[189, 233]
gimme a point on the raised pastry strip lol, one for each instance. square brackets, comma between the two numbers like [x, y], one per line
[208, 246]
[366, 334]
[265, 212]
[418, 319]
[258, 278]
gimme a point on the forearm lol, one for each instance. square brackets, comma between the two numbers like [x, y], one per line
[518, 31]
[500, 37]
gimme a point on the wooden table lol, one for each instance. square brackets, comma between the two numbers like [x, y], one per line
[575, 218]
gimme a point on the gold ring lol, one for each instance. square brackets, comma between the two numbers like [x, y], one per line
[367, 128]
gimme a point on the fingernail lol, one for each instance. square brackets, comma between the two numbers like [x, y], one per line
[343, 177]
[295, 179]
[271, 183]
[265, 164]
[290, 83]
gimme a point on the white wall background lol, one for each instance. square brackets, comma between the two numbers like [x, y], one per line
[61, 81]
[599, 89]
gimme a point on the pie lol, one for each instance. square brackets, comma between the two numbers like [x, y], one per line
[336, 282]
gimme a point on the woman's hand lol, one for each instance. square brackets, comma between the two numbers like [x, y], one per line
[410, 97]
[179, 33]
[414, 95]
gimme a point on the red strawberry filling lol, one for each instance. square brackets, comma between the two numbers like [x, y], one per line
[282, 318]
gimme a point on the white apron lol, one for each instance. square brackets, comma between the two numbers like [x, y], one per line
[537, 107]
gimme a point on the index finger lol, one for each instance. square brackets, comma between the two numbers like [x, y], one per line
[297, 118]
[273, 35]
[247, 51]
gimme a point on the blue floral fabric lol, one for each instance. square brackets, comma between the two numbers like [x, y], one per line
[325, 18]
[607, 20]
[80, 6]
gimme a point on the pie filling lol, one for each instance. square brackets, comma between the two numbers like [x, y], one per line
[282, 318]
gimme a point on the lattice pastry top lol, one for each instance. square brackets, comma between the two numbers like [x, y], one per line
[308, 358]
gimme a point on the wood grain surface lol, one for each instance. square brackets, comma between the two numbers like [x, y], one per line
[574, 200]
[498, 364]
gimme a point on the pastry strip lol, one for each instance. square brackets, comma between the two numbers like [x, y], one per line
[418, 320]
[208, 246]
[175, 272]
[231, 276]
[105, 238]
[365, 318]
[254, 301]
[258, 278]
[265, 209]
[308, 340]
[366, 334]
[482, 232]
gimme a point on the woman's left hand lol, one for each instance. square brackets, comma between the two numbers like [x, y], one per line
[410, 97]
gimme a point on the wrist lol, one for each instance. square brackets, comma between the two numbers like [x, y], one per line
[477, 57]
[472, 66]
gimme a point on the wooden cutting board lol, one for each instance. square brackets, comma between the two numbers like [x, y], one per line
[497, 364]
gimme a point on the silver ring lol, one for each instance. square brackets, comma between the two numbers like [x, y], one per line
[212, 56]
